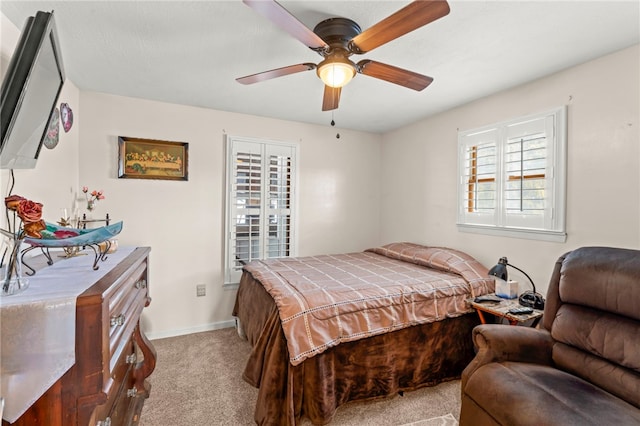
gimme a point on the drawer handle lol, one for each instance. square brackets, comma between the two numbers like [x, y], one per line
[141, 284]
[119, 320]
[132, 392]
[131, 359]
[105, 422]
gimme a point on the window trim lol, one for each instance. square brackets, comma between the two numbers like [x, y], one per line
[556, 231]
[229, 282]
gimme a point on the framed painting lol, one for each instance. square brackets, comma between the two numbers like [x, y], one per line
[152, 159]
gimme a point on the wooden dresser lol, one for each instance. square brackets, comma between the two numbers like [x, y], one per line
[107, 384]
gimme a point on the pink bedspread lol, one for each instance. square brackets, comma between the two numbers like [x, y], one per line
[328, 299]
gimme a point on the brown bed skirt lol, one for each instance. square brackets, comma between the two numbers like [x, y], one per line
[375, 367]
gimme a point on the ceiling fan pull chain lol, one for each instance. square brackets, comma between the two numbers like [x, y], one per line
[333, 123]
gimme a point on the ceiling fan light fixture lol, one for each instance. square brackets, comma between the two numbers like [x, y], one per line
[336, 71]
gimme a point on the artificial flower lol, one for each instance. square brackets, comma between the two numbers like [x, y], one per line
[93, 197]
[29, 212]
[12, 201]
[32, 229]
[30, 224]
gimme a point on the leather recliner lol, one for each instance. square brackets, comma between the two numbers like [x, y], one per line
[581, 367]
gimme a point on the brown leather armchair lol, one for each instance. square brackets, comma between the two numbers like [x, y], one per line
[581, 367]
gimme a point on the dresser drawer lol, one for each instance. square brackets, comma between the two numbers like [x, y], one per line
[125, 305]
[121, 377]
[121, 412]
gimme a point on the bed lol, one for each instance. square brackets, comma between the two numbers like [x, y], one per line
[330, 329]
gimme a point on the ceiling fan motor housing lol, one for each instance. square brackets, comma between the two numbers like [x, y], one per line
[337, 33]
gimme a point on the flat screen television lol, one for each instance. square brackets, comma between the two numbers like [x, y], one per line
[30, 90]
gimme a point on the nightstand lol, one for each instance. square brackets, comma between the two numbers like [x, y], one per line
[501, 310]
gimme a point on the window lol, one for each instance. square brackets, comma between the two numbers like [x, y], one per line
[260, 202]
[512, 177]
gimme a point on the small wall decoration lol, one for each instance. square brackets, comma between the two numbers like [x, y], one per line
[66, 116]
[152, 159]
[53, 131]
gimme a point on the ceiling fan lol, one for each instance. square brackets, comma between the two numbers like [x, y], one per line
[336, 39]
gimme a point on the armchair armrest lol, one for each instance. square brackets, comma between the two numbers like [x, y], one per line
[496, 343]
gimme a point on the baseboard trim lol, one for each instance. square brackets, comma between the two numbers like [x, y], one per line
[180, 332]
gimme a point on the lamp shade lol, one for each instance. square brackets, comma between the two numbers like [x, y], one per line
[336, 71]
[500, 270]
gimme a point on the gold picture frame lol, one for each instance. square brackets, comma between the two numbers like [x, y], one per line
[152, 159]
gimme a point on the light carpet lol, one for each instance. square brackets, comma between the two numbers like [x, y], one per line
[198, 381]
[446, 420]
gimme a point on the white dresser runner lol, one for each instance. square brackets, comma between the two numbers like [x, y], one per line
[38, 328]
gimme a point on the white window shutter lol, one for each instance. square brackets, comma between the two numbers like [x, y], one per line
[513, 177]
[478, 196]
[246, 198]
[527, 193]
[260, 199]
[277, 241]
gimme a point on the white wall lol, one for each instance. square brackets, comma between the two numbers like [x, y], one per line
[603, 202]
[183, 222]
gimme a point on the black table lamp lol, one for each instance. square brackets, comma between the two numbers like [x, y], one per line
[529, 298]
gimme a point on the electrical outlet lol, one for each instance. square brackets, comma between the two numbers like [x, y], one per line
[201, 290]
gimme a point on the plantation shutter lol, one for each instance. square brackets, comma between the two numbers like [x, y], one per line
[479, 165]
[260, 177]
[528, 174]
[513, 177]
[278, 240]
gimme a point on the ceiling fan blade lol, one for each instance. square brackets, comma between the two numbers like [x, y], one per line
[280, 16]
[278, 72]
[413, 16]
[331, 98]
[395, 75]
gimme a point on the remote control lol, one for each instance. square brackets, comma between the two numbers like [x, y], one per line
[488, 298]
[521, 310]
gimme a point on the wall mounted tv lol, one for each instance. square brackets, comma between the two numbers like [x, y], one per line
[30, 90]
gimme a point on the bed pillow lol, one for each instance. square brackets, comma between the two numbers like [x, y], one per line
[441, 258]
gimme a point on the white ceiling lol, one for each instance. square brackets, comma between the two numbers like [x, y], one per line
[191, 52]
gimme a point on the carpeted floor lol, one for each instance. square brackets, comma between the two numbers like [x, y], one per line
[446, 420]
[198, 381]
